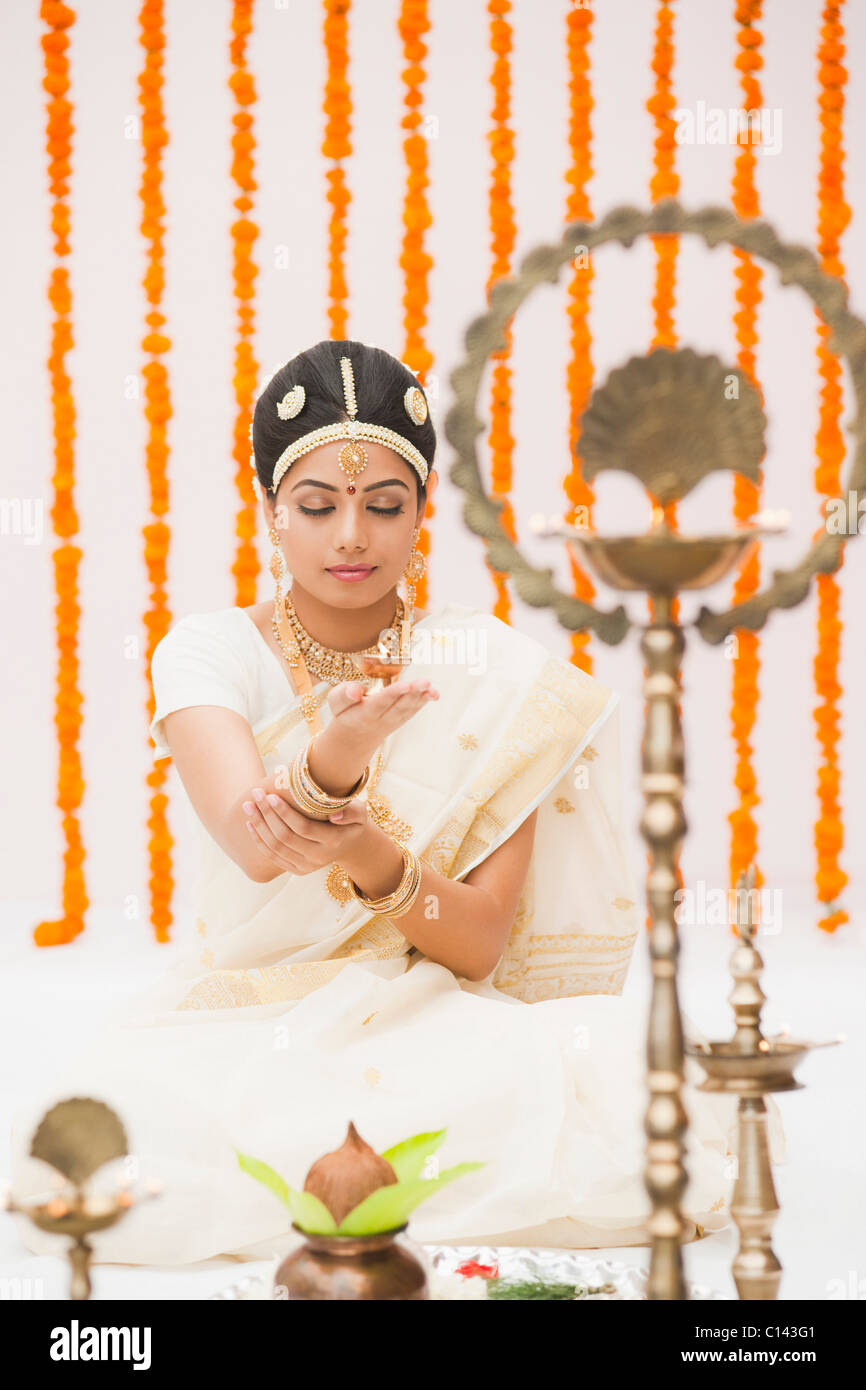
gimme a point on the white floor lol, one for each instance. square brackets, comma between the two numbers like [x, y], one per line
[816, 984]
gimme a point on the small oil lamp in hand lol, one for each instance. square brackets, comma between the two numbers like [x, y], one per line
[381, 666]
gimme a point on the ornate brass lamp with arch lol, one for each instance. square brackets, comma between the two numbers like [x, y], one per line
[667, 419]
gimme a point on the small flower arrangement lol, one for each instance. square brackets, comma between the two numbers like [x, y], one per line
[354, 1191]
[472, 1280]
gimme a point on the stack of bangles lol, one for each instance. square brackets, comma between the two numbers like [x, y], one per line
[404, 895]
[313, 800]
[318, 804]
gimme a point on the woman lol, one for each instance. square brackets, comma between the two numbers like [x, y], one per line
[415, 909]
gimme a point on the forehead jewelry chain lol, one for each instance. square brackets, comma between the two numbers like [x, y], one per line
[352, 458]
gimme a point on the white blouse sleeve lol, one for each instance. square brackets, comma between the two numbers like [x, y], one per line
[194, 664]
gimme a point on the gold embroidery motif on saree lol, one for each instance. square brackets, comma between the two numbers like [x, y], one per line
[380, 812]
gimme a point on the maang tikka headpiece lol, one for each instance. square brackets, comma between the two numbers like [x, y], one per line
[353, 457]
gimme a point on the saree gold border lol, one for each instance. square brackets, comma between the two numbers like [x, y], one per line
[553, 719]
[275, 984]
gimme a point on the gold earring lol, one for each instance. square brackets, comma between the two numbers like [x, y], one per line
[416, 564]
[277, 565]
[415, 567]
[279, 622]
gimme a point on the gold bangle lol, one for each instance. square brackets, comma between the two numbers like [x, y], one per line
[312, 799]
[316, 791]
[396, 903]
[310, 805]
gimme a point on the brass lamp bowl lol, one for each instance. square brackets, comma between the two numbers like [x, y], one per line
[81, 1221]
[730, 1069]
[663, 561]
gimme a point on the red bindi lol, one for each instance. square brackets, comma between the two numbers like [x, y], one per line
[350, 488]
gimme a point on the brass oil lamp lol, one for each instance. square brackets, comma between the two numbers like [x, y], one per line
[669, 418]
[76, 1138]
[752, 1066]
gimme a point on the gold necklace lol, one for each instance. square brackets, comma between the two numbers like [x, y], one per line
[329, 663]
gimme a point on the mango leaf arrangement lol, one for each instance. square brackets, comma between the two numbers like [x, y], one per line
[354, 1191]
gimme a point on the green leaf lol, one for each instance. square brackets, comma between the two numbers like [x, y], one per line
[390, 1206]
[264, 1173]
[309, 1213]
[408, 1157]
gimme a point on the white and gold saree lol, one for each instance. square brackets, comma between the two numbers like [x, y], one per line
[295, 1012]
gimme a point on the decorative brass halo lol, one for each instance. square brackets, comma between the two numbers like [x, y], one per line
[77, 1136]
[671, 417]
[486, 334]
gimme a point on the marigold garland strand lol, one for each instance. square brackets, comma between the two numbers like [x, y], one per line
[415, 262]
[503, 233]
[664, 183]
[244, 234]
[68, 699]
[833, 217]
[579, 374]
[336, 147]
[745, 667]
[157, 620]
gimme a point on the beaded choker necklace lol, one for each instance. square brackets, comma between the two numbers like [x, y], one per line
[329, 663]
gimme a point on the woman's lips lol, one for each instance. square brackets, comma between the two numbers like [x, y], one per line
[352, 575]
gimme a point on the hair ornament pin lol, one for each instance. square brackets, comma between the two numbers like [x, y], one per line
[348, 376]
[415, 404]
[292, 403]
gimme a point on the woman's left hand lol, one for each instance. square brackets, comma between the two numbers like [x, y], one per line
[298, 844]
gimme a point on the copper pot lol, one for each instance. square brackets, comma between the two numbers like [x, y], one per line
[364, 1267]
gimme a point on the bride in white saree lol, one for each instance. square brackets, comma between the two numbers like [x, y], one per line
[490, 1006]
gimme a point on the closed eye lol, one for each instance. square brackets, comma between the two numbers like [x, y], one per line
[322, 511]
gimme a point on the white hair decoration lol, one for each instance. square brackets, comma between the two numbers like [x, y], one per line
[353, 457]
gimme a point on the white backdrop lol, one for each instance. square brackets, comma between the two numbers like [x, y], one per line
[287, 57]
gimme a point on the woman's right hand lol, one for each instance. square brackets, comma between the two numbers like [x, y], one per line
[369, 716]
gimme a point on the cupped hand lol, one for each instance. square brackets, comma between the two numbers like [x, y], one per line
[297, 844]
[371, 715]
